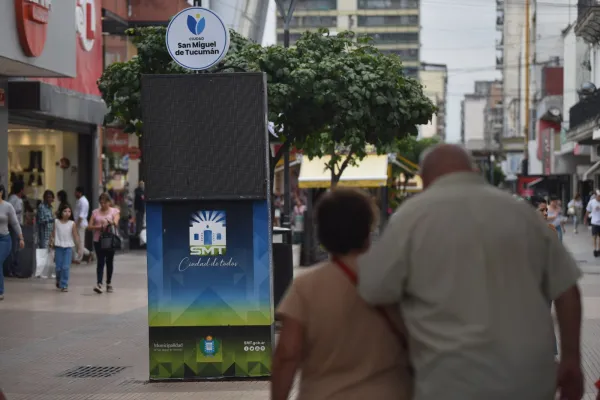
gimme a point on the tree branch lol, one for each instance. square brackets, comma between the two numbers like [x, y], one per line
[343, 166]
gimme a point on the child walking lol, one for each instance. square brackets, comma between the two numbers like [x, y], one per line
[64, 238]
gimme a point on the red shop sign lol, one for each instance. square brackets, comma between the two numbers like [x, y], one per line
[88, 21]
[32, 24]
[134, 153]
[116, 140]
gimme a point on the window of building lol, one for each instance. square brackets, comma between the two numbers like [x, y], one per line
[309, 22]
[404, 54]
[293, 38]
[396, 37]
[388, 20]
[413, 72]
[387, 4]
[320, 5]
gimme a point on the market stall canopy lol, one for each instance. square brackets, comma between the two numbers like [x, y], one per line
[371, 172]
[414, 184]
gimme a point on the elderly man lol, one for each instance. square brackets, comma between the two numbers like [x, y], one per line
[473, 271]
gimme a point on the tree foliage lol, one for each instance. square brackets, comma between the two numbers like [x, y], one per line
[364, 96]
[120, 84]
[328, 95]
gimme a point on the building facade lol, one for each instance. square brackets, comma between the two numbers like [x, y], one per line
[434, 78]
[393, 24]
[583, 103]
[482, 117]
[50, 106]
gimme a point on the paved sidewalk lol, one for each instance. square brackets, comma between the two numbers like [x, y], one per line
[44, 333]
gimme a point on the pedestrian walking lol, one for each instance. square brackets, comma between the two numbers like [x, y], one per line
[555, 216]
[593, 211]
[82, 211]
[45, 219]
[16, 200]
[64, 238]
[575, 210]
[8, 217]
[345, 349]
[103, 218]
[63, 200]
[476, 303]
[139, 205]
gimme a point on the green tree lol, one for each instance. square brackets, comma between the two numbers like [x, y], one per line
[327, 95]
[363, 95]
[120, 84]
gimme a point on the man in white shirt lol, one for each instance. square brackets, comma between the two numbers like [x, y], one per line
[82, 210]
[16, 200]
[473, 271]
[593, 210]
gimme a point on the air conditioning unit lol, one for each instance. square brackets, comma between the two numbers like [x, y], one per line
[595, 153]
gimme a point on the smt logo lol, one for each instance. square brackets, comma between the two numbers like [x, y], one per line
[85, 18]
[208, 233]
[32, 25]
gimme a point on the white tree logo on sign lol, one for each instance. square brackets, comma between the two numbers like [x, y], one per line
[85, 18]
[197, 38]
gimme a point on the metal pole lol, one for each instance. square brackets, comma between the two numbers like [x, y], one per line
[287, 189]
[527, 89]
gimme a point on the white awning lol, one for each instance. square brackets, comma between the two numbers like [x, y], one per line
[371, 171]
[592, 171]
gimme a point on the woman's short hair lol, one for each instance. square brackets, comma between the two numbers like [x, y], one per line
[2, 191]
[344, 218]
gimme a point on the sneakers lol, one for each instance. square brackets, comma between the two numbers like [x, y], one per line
[98, 288]
[64, 290]
[596, 253]
[1, 297]
[109, 289]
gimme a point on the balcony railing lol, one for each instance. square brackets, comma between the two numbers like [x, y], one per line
[585, 110]
[588, 12]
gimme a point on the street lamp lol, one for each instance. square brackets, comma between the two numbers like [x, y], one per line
[287, 15]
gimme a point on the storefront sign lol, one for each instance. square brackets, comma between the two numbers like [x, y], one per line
[85, 18]
[209, 289]
[89, 50]
[197, 38]
[2, 98]
[134, 153]
[116, 140]
[32, 24]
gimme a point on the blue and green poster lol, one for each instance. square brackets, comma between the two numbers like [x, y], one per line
[209, 289]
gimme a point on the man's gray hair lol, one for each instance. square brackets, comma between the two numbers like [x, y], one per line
[430, 149]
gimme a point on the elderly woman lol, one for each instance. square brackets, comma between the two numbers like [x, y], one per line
[345, 349]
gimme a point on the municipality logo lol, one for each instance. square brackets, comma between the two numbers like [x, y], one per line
[196, 25]
[209, 346]
[208, 233]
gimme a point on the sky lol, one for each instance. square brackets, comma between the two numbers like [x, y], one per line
[458, 33]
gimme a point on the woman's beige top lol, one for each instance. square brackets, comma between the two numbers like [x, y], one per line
[350, 350]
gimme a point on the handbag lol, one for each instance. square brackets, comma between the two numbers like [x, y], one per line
[571, 211]
[109, 239]
[44, 263]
